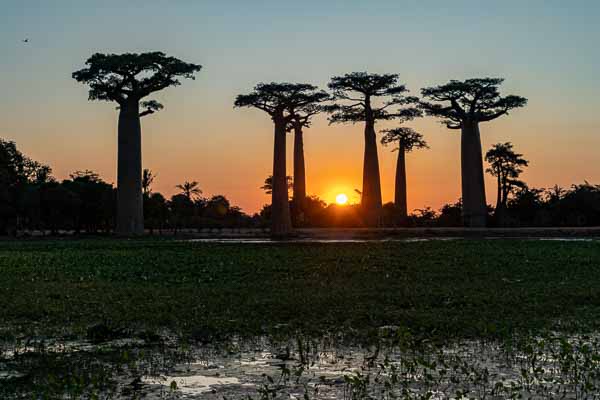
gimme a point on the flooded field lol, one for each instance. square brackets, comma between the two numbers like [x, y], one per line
[552, 366]
[407, 319]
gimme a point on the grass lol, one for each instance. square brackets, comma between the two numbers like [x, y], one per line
[465, 288]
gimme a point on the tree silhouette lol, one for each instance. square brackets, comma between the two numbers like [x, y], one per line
[407, 140]
[190, 190]
[358, 93]
[506, 166]
[276, 99]
[268, 186]
[463, 105]
[147, 178]
[126, 79]
[301, 116]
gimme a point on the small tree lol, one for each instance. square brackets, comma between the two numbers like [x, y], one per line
[147, 179]
[276, 99]
[268, 185]
[368, 98]
[463, 105]
[406, 140]
[190, 190]
[506, 166]
[127, 79]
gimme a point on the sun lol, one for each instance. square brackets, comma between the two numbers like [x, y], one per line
[341, 199]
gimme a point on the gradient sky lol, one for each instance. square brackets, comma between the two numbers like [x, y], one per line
[546, 50]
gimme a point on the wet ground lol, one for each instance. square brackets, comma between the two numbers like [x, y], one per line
[546, 367]
[382, 239]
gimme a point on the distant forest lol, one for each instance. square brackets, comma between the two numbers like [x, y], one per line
[31, 200]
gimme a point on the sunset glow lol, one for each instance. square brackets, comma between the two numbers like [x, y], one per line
[341, 199]
[198, 136]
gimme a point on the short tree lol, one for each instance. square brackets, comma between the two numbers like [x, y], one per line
[268, 185]
[127, 79]
[463, 105]
[506, 166]
[190, 190]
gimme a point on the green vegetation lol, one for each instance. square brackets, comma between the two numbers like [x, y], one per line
[462, 288]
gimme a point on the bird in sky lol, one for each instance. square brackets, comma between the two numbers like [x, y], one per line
[25, 40]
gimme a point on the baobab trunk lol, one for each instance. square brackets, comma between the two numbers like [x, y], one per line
[371, 190]
[299, 170]
[130, 208]
[281, 222]
[473, 186]
[400, 189]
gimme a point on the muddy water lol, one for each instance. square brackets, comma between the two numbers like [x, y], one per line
[376, 240]
[554, 366]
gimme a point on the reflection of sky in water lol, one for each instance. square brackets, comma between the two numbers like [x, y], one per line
[239, 369]
[401, 240]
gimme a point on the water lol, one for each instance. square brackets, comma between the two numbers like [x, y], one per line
[553, 366]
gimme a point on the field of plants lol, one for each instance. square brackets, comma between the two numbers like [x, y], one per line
[146, 318]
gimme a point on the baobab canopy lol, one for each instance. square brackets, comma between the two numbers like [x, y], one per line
[132, 76]
[279, 97]
[358, 88]
[406, 138]
[477, 100]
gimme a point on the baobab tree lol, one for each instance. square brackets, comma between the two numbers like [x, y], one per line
[464, 105]
[506, 166]
[368, 98]
[276, 99]
[301, 116]
[407, 140]
[127, 79]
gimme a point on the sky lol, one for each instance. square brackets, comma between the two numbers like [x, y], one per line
[546, 50]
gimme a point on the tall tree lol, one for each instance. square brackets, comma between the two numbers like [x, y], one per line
[368, 98]
[463, 105]
[407, 140]
[127, 79]
[301, 116]
[506, 166]
[190, 190]
[276, 99]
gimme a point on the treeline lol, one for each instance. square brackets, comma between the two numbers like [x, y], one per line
[578, 206]
[31, 199]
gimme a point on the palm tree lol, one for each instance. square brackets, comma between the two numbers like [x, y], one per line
[190, 190]
[407, 140]
[147, 178]
[268, 185]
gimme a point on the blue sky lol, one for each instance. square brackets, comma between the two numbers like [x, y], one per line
[547, 51]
